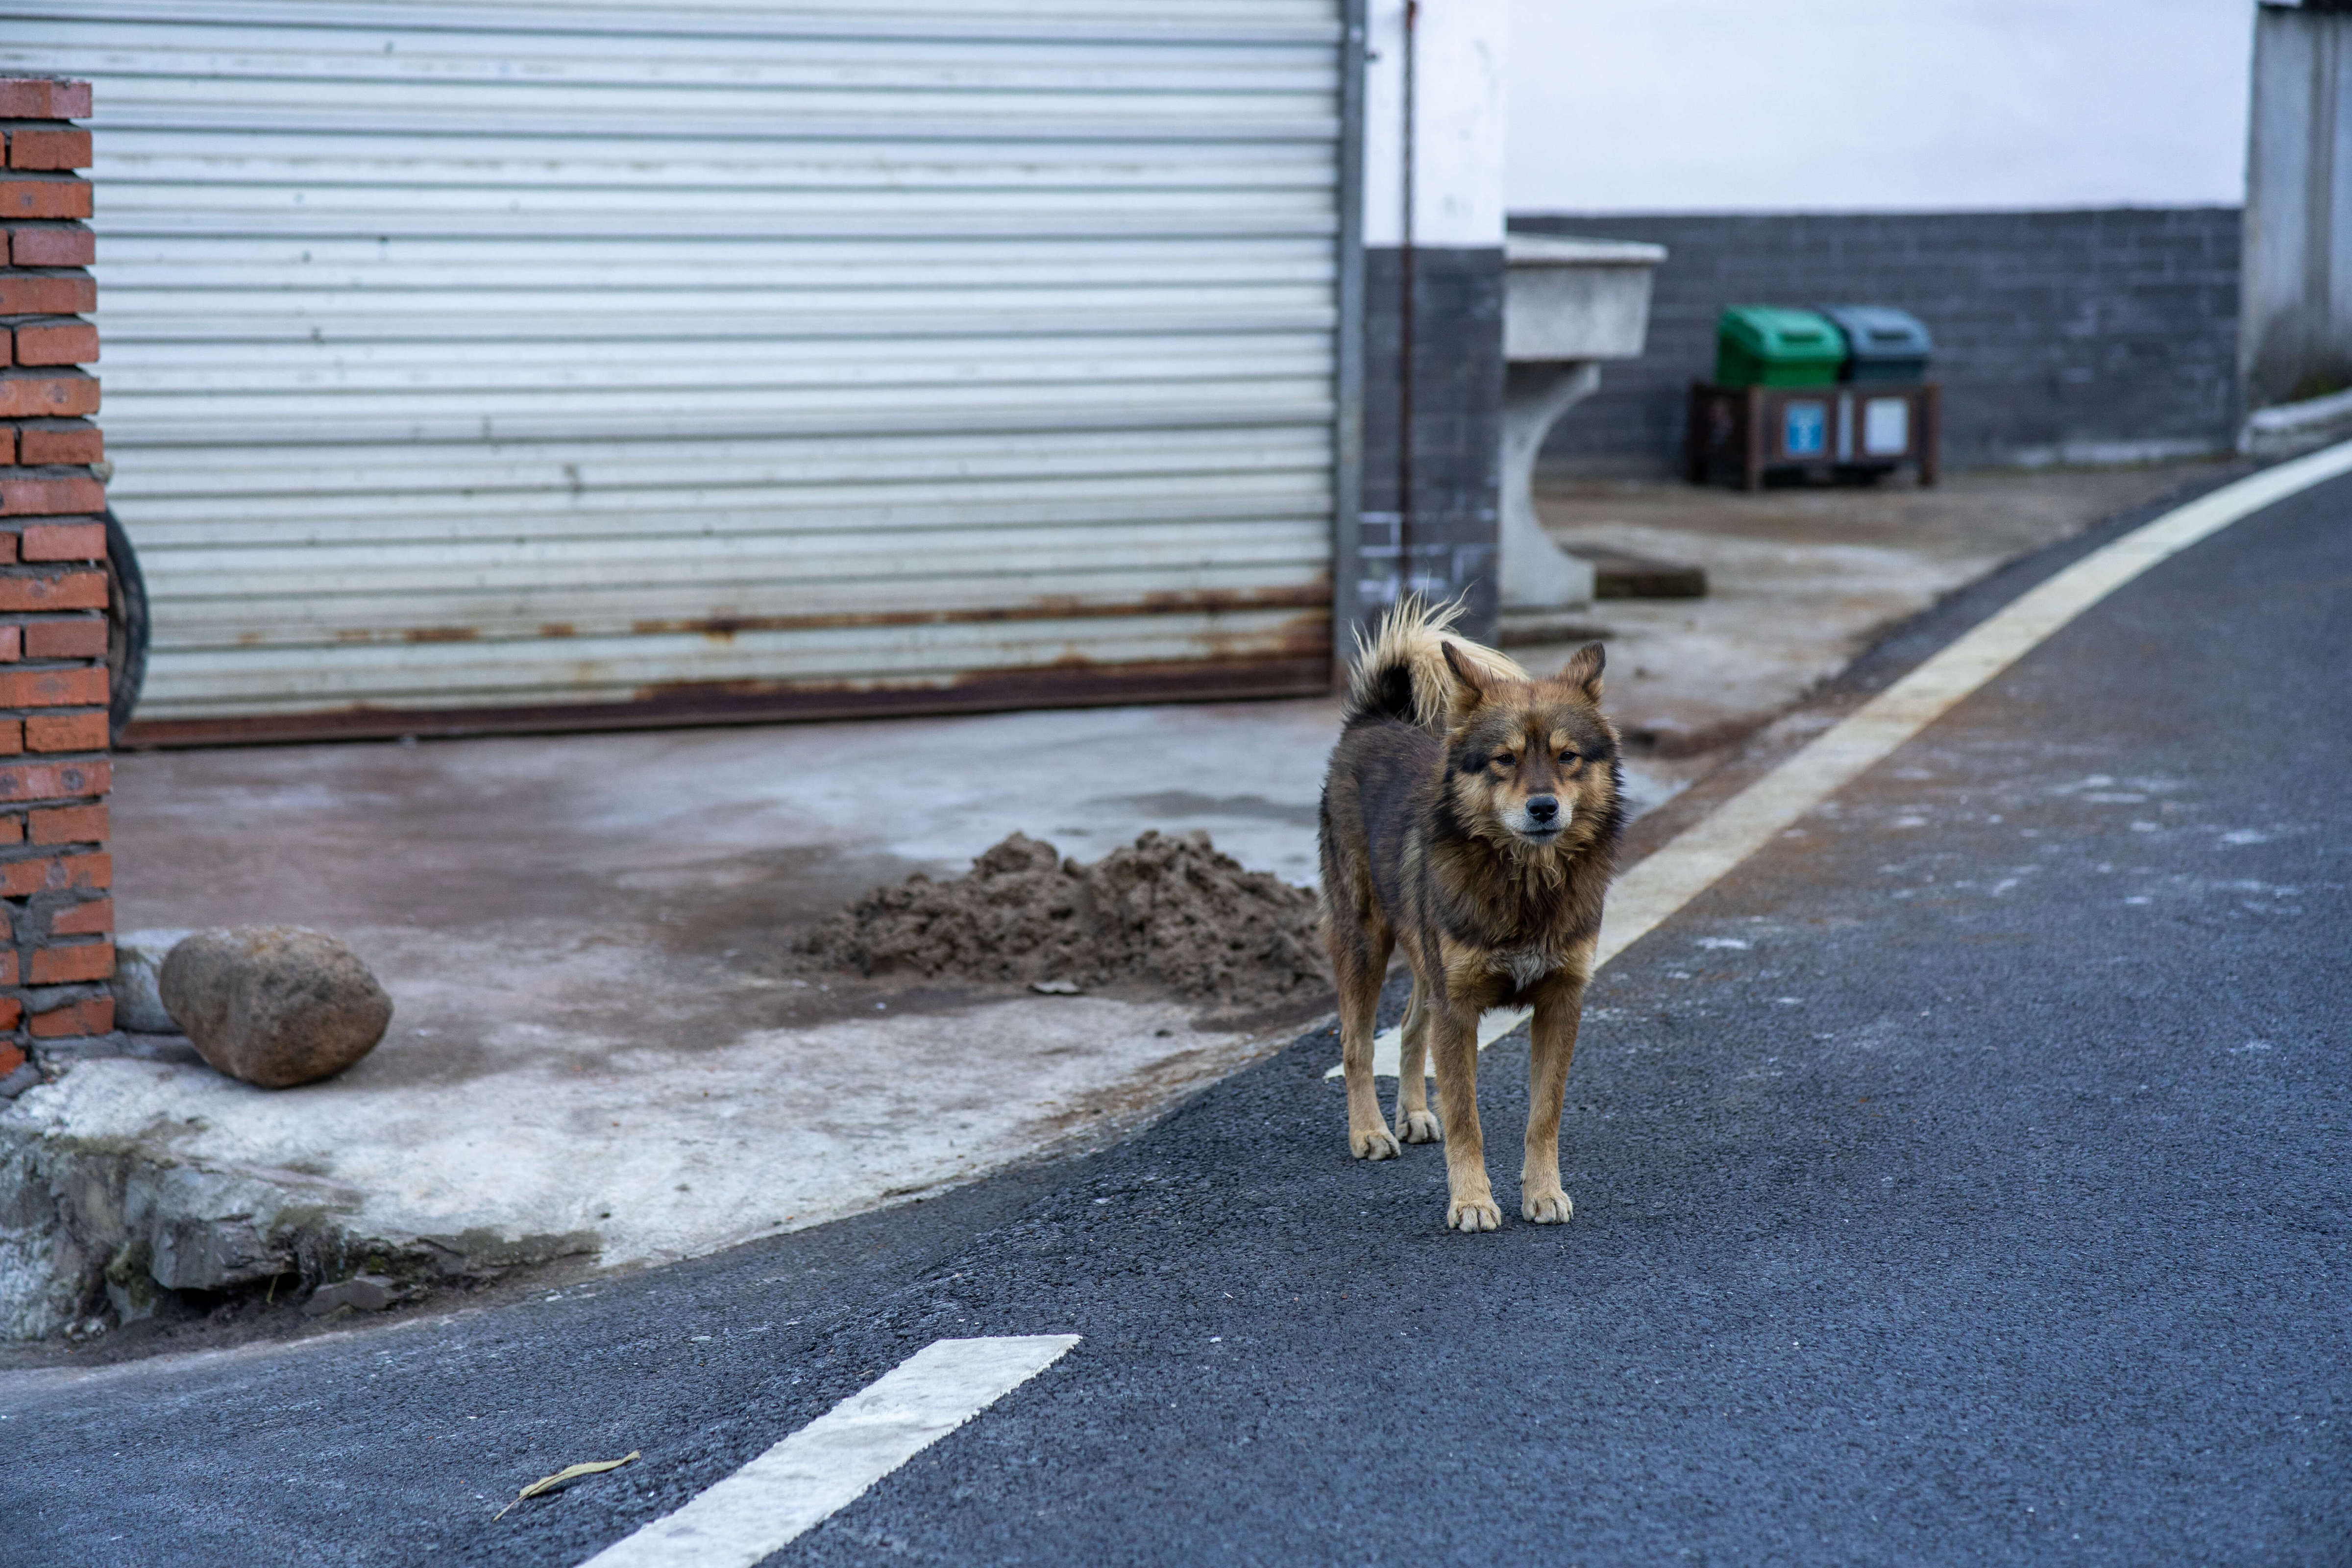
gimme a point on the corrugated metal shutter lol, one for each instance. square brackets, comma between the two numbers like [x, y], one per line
[600, 362]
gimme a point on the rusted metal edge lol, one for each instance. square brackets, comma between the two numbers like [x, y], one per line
[730, 702]
[1045, 607]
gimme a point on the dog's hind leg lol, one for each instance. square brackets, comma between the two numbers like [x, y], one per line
[1415, 1123]
[1453, 1034]
[1551, 1046]
[1359, 961]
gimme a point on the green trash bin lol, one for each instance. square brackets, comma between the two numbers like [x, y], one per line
[1769, 345]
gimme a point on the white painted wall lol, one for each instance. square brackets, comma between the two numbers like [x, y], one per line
[1461, 81]
[1872, 105]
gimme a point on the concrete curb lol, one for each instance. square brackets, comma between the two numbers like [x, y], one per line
[2291, 430]
[99, 1222]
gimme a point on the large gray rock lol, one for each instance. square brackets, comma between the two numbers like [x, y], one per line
[138, 966]
[275, 1005]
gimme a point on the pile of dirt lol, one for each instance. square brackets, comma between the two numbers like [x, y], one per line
[1169, 913]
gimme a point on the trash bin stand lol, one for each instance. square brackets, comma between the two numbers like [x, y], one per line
[1864, 429]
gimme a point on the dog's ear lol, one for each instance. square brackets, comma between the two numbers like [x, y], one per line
[1583, 671]
[1470, 681]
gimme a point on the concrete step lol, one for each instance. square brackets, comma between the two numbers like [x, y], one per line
[1621, 574]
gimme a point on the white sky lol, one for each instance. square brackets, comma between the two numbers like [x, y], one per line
[1875, 105]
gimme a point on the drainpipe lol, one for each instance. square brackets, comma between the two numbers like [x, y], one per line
[1405, 323]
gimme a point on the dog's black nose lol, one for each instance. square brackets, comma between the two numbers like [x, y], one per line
[1542, 807]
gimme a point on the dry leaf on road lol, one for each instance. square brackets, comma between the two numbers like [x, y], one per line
[569, 1472]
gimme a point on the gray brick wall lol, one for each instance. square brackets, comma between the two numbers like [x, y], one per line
[1457, 428]
[2078, 335]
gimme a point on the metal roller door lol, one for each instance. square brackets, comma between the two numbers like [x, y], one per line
[474, 366]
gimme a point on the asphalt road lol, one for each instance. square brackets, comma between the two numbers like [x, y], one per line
[1962, 1180]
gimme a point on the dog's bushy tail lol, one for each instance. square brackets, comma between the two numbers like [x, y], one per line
[1400, 670]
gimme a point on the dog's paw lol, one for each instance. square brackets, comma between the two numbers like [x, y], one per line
[1547, 1208]
[1472, 1214]
[1372, 1143]
[1420, 1127]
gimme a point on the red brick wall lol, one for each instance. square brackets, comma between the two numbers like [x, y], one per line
[56, 949]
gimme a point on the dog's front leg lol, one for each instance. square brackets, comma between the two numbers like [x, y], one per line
[1453, 1034]
[1552, 1046]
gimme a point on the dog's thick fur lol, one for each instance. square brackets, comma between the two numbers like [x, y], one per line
[1470, 816]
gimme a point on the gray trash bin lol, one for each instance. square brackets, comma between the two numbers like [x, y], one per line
[1883, 344]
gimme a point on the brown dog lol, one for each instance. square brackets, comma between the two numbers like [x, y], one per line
[1471, 815]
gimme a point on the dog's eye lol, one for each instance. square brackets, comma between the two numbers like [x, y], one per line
[1503, 760]
[1568, 759]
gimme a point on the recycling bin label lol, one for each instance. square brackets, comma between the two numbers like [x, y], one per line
[1804, 429]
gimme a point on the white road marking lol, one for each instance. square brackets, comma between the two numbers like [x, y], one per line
[802, 1480]
[1694, 859]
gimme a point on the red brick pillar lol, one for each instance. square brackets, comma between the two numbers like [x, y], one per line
[57, 951]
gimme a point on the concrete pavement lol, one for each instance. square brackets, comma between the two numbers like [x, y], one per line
[1960, 1181]
[603, 1047]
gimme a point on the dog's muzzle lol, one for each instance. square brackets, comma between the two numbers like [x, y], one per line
[1541, 817]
